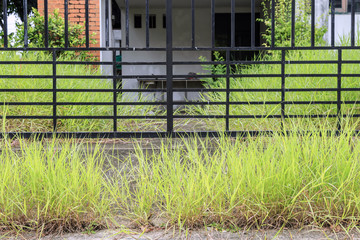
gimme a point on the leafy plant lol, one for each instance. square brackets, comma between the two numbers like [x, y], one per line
[16, 7]
[282, 32]
[56, 36]
[218, 69]
[2, 39]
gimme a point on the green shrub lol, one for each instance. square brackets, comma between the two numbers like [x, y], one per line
[2, 39]
[56, 34]
[283, 24]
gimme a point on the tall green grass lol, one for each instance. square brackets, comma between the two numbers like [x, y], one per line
[261, 182]
[54, 186]
[33, 125]
[291, 83]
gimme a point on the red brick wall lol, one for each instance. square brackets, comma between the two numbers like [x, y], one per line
[76, 14]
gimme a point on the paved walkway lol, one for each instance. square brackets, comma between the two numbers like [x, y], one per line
[198, 235]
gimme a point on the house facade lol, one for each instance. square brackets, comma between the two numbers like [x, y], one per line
[182, 36]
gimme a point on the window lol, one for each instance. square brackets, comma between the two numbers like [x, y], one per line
[152, 21]
[116, 15]
[137, 21]
[344, 6]
[164, 21]
[356, 7]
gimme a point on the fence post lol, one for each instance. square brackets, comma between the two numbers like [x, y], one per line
[293, 19]
[5, 23]
[54, 93]
[115, 93]
[87, 33]
[46, 23]
[169, 69]
[312, 23]
[107, 27]
[283, 78]
[339, 114]
[227, 120]
[25, 4]
[66, 16]
[353, 23]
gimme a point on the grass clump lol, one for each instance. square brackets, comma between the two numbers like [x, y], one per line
[287, 180]
[262, 182]
[52, 187]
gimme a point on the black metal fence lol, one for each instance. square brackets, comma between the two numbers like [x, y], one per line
[168, 70]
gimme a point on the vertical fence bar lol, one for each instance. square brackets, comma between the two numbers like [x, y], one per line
[233, 23]
[127, 27]
[147, 24]
[115, 92]
[312, 23]
[46, 23]
[272, 23]
[332, 23]
[87, 31]
[227, 117]
[25, 24]
[54, 87]
[5, 24]
[193, 23]
[169, 68]
[66, 7]
[339, 90]
[253, 23]
[293, 19]
[212, 23]
[283, 79]
[353, 23]
[107, 27]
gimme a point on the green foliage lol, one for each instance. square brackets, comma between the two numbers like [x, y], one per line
[56, 26]
[283, 24]
[10, 37]
[218, 69]
[16, 7]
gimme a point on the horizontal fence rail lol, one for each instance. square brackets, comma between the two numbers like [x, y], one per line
[205, 68]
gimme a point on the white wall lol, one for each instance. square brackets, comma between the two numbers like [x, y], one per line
[342, 27]
[321, 12]
[342, 22]
[105, 55]
[181, 38]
